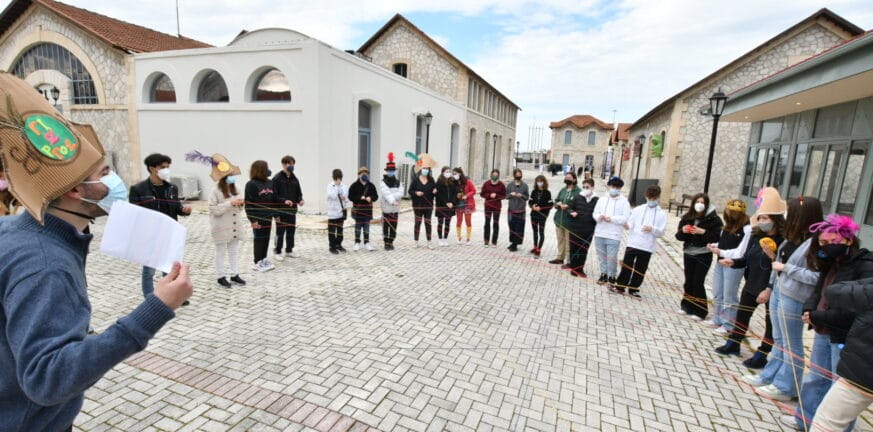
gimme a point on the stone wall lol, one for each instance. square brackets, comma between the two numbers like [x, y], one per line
[107, 67]
[425, 65]
[478, 161]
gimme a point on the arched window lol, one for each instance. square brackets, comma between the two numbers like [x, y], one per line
[212, 88]
[162, 90]
[272, 86]
[49, 56]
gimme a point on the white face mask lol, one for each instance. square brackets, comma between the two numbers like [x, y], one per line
[456, 176]
[539, 184]
[447, 174]
[699, 207]
[587, 192]
[164, 174]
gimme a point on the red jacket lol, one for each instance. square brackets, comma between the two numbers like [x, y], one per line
[470, 194]
[499, 191]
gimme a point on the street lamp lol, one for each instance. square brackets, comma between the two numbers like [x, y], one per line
[427, 119]
[641, 142]
[493, 151]
[716, 107]
[621, 158]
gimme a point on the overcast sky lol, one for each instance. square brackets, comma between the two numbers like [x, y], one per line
[554, 58]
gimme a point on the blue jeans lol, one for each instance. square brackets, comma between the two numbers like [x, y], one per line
[726, 294]
[607, 254]
[785, 367]
[824, 358]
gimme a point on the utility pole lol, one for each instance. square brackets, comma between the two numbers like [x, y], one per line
[178, 27]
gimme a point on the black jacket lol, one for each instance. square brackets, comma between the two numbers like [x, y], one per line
[286, 187]
[542, 198]
[583, 224]
[361, 209]
[163, 198]
[729, 241]
[759, 266]
[853, 302]
[709, 222]
[446, 193]
[425, 201]
[859, 266]
[260, 201]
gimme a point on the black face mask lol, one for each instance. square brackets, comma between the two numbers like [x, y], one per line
[568, 182]
[831, 252]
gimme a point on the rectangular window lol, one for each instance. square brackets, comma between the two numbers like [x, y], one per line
[829, 180]
[771, 131]
[852, 178]
[759, 168]
[781, 166]
[834, 121]
[592, 137]
[797, 170]
[400, 69]
[568, 137]
[863, 124]
[813, 171]
[750, 171]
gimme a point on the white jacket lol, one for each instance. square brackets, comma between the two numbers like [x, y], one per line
[334, 205]
[646, 216]
[224, 218]
[618, 210]
[389, 197]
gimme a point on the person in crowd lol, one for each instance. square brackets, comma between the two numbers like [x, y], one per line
[517, 193]
[225, 205]
[47, 358]
[363, 194]
[837, 255]
[422, 190]
[390, 193]
[726, 279]
[611, 214]
[581, 226]
[699, 227]
[337, 206]
[540, 205]
[446, 198]
[260, 203]
[466, 204]
[158, 194]
[646, 225]
[758, 250]
[289, 197]
[562, 222]
[795, 281]
[494, 192]
[850, 304]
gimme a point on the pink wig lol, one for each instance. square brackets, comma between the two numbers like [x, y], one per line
[838, 224]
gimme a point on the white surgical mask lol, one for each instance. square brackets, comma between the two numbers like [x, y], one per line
[586, 192]
[117, 191]
[447, 174]
[699, 207]
[613, 192]
[164, 174]
[539, 184]
[456, 176]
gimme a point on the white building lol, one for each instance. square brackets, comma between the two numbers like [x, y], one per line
[274, 92]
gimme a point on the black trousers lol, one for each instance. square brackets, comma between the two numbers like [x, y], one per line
[335, 232]
[633, 269]
[516, 226]
[491, 231]
[444, 222]
[694, 299]
[538, 223]
[389, 227]
[285, 230]
[262, 239]
[748, 304]
[580, 242]
[423, 215]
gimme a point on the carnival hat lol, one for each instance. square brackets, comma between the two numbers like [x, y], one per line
[736, 205]
[390, 166]
[425, 161]
[770, 204]
[44, 154]
[221, 166]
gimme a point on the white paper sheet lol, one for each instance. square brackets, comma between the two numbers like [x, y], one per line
[144, 236]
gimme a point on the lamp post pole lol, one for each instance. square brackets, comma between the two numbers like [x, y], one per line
[716, 106]
[642, 143]
[621, 159]
[427, 119]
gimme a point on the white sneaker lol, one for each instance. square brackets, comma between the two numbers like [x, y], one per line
[467, 243]
[754, 380]
[292, 254]
[681, 312]
[257, 267]
[695, 318]
[721, 331]
[268, 265]
[416, 244]
[460, 241]
[772, 392]
[789, 421]
[368, 247]
[278, 257]
[711, 323]
[444, 243]
[357, 247]
[430, 245]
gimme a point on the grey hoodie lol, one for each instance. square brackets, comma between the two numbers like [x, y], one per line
[517, 204]
[796, 280]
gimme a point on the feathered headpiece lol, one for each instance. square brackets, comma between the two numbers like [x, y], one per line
[838, 224]
[196, 156]
[390, 166]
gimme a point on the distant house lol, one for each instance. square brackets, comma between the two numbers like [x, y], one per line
[621, 147]
[682, 126]
[583, 141]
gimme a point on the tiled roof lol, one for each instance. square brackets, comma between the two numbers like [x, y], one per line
[122, 35]
[581, 121]
[624, 131]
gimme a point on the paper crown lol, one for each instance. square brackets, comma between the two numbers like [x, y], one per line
[44, 155]
[736, 205]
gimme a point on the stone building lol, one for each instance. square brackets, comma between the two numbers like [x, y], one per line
[88, 58]
[485, 139]
[583, 141]
[621, 145]
[683, 125]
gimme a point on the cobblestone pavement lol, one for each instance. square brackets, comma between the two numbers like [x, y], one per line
[458, 338]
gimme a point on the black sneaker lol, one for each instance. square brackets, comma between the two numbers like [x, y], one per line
[389, 247]
[237, 280]
[757, 361]
[223, 282]
[513, 248]
[341, 249]
[334, 251]
[603, 279]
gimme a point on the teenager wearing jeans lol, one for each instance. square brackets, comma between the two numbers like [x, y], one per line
[726, 279]
[646, 225]
[493, 191]
[611, 214]
[699, 227]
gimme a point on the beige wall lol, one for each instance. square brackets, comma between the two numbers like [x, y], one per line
[579, 147]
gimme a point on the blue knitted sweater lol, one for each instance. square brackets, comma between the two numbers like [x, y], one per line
[47, 359]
